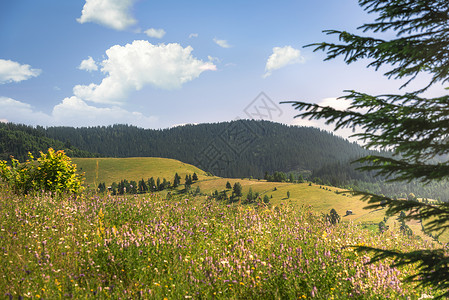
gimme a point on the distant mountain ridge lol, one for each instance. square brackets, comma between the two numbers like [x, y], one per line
[240, 148]
[17, 140]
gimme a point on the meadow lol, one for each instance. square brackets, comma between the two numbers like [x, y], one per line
[148, 247]
[110, 170]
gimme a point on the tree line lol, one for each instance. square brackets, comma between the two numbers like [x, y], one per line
[145, 186]
[245, 147]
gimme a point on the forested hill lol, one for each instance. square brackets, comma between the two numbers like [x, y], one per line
[233, 149]
[17, 140]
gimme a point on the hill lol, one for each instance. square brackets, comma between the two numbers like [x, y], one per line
[237, 149]
[321, 198]
[230, 149]
[17, 140]
[110, 170]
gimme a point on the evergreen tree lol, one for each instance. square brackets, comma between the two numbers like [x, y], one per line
[152, 185]
[228, 185]
[250, 195]
[165, 184]
[188, 181]
[132, 187]
[237, 190]
[288, 194]
[266, 199]
[291, 178]
[176, 181]
[101, 187]
[143, 188]
[114, 188]
[194, 177]
[158, 184]
[412, 125]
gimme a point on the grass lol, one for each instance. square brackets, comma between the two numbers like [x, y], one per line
[153, 248]
[321, 198]
[110, 170]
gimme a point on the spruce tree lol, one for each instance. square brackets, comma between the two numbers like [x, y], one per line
[228, 185]
[414, 126]
[237, 190]
[176, 180]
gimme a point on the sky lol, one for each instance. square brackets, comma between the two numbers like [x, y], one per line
[159, 64]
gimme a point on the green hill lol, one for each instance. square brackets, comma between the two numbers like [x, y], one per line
[235, 149]
[320, 198]
[17, 140]
[110, 170]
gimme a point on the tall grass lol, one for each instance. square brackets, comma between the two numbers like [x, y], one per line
[147, 247]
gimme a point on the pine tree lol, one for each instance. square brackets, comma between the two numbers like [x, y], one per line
[237, 190]
[250, 195]
[176, 181]
[158, 184]
[411, 125]
[152, 185]
[228, 185]
[143, 188]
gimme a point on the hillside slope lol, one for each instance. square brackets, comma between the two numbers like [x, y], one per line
[110, 170]
[17, 140]
[231, 149]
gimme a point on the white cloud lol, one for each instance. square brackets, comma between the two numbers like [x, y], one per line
[19, 112]
[110, 13]
[133, 66]
[71, 112]
[281, 57]
[213, 59]
[11, 71]
[222, 43]
[155, 33]
[75, 112]
[193, 35]
[88, 65]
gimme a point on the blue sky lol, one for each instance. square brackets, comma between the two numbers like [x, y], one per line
[157, 64]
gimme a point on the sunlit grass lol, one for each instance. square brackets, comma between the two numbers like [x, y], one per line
[92, 246]
[110, 170]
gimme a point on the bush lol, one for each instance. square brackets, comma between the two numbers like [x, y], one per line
[52, 172]
[333, 217]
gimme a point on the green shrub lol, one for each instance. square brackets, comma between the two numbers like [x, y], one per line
[52, 172]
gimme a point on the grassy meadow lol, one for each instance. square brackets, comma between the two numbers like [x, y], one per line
[130, 247]
[189, 246]
[110, 170]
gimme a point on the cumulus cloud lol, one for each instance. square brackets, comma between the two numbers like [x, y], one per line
[75, 112]
[71, 112]
[110, 13]
[11, 71]
[213, 59]
[88, 65]
[19, 112]
[222, 43]
[133, 66]
[281, 57]
[193, 35]
[155, 33]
